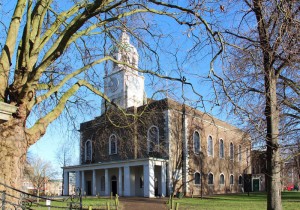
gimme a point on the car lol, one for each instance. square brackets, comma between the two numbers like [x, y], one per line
[290, 187]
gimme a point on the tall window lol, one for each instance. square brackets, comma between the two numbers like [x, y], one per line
[210, 148]
[240, 153]
[196, 142]
[113, 144]
[153, 139]
[231, 179]
[88, 150]
[210, 178]
[197, 178]
[221, 148]
[231, 151]
[240, 180]
[222, 179]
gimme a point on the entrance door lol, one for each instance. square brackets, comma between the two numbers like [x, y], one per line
[255, 185]
[114, 188]
[155, 187]
[88, 188]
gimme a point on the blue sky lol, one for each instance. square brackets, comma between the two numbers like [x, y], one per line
[60, 131]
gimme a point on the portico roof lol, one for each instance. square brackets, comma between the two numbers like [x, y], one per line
[115, 164]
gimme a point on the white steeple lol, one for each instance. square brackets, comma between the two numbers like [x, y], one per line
[125, 52]
[123, 84]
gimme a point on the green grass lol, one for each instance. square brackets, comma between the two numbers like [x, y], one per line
[290, 201]
[95, 202]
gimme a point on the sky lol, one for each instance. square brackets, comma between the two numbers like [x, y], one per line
[60, 132]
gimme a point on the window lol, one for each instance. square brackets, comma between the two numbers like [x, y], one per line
[240, 153]
[231, 154]
[88, 150]
[153, 139]
[221, 148]
[222, 179]
[113, 144]
[197, 178]
[196, 139]
[210, 146]
[231, 179]
[210, 178]
[240, 180]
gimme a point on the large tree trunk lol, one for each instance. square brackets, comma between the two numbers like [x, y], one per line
[12, 156]
[273, 152]
[271, 112]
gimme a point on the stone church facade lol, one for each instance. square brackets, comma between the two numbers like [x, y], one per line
[143, 147]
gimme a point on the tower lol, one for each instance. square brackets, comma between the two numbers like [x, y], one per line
[123, 85]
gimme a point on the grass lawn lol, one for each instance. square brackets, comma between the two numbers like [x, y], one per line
[256, 201]
[86, 202]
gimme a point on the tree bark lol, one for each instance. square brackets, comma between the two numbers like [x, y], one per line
[13, 155]
[273, 152]
[271, 112]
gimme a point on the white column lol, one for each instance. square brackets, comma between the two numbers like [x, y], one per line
[126, 181]
[163, 180]
[120, 191]
[107, 190]
[94, 183]
[77, 183]
[149, 180]
[66, 183]
[82, 183]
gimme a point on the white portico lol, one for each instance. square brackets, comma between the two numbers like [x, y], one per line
[138, 177]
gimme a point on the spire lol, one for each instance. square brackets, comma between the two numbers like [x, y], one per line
[124, 51]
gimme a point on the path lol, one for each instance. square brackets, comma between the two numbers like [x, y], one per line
[138, 203]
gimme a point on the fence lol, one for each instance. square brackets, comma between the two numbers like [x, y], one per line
[11, 198]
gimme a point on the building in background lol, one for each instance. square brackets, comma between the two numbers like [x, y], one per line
[144, 147]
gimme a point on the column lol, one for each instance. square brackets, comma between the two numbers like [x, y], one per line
[94, 183]
[77, 182]
[149, 180]
[83, 192]
[127, 181]
[107, 190]
[163, 179]
[120, 191]
[66, 183]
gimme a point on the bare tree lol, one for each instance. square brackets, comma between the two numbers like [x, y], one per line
[50, 56]
[261, 75]
[38, 172]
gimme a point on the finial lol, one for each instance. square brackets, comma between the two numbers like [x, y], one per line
[124, 36]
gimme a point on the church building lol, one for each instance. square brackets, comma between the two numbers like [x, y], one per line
[148, 148]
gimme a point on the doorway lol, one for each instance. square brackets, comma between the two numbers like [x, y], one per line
[114, 188]
[255, 185]
[88, 188]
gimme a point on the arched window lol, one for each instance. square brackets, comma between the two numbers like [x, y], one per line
[196, 139]
[222, 179]
[210, 178]
[153, 139]
[197, 178]
[221, 148]
[231, 179]
[210, 148]
[88, 150]
[231, 152]
[240, 153]
[113, 146]
[240, 180]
